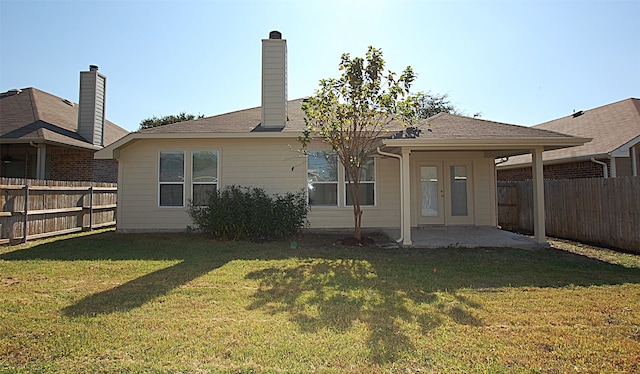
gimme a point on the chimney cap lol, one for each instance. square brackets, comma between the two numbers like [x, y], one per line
[93, 67]
[275, 35]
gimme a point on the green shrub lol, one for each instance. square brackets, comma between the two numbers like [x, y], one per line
[235, 213]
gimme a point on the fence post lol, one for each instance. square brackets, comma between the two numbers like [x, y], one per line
[90, 208]
[25, 218]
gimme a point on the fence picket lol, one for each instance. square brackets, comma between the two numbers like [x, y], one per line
[32, 209]
[600, 211]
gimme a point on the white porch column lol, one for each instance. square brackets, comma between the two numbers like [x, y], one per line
[406, 198]
[539, 231]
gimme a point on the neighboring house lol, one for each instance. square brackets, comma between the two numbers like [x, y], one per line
[613, 152]
[43, 136]
[440, 174]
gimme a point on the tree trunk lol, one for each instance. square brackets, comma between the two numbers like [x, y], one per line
[357, 215]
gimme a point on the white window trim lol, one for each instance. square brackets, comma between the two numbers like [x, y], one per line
[217, 182]
[336, 183]
[160, 183]
[341, 197]
[374, 182]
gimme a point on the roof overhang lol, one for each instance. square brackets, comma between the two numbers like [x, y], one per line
[111, 151]
[623, 150]
[36, 141]
[492, 147]
[506, 166]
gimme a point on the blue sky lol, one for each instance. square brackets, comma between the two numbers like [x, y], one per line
[521, 62]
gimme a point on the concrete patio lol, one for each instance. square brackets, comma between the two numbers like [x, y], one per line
[465, 237]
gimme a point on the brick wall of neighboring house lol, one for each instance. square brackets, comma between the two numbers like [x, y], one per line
[71, 164]
[66, 164]
[105, 171]
[570, 170]
[79, 165]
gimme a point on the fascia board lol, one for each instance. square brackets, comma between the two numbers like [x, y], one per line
[623, 150]
[554, 161]
[108, 152]
[27, 141]
[485, 144]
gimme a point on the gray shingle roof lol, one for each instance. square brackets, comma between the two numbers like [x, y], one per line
[449, 126]
[611, 126]
[34, 115]
[440, 126]
[240, 121]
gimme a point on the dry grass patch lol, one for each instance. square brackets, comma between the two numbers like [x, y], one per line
[111, 302]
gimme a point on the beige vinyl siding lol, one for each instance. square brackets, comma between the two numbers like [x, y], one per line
[385, 214]
[484, 192]
[266, 163]
[274, 166]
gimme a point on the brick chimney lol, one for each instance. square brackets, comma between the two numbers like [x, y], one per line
[93, 86]
[274, 81]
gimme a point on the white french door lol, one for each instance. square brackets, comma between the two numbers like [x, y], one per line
[445, 193]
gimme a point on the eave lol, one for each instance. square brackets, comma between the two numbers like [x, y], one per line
[492, 147]
[110, 152]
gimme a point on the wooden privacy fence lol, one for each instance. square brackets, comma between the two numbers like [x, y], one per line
[34, 209]
[599, 211]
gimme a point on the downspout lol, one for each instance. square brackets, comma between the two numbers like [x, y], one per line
[604, 166]
[401, 191]
[40, 159]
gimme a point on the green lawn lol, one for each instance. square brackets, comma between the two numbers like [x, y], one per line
[108, 302]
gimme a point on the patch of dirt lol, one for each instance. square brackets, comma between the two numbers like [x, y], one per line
[353, 242]
[332, 239]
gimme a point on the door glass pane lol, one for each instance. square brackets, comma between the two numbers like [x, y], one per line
[458, 190]
[429, 190]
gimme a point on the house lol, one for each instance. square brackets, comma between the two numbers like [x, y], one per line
[442, 174]
[43, 136]
[614, 150]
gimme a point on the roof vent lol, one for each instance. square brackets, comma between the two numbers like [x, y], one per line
[14, 91]
[93, 67]
[67, 101]
[275, 35]
[577, 114]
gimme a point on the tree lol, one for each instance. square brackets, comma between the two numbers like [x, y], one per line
[351, 113]
[154, 121]
[431, 104]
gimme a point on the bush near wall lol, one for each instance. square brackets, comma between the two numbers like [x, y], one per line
[236, 213]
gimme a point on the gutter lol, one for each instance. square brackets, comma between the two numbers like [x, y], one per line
[604, 166]
[399, 157]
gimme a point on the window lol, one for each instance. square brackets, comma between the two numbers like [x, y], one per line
[204, 176]
[458, 190]
[171, 179]
[322, 178]
[367, 184]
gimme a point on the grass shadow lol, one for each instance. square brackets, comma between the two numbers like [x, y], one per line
[331, 287]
